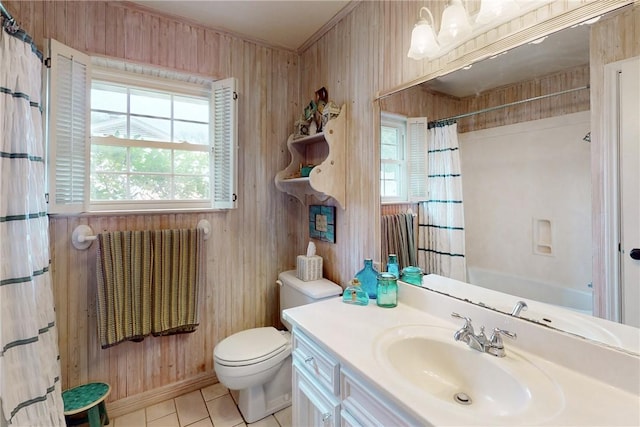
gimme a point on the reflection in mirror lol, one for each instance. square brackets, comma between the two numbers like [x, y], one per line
[523, 130]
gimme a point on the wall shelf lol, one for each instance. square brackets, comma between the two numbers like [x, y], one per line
[327, 151]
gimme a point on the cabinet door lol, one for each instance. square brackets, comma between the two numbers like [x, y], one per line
[347, 420]
[312, 405]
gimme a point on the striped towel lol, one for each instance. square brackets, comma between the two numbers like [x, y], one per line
[147, 283]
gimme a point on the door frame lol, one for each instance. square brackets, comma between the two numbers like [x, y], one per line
[611, 296]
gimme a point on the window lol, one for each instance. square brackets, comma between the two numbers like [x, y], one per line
[135, 142]
[148, 145]
[393, 165]
[403, 158]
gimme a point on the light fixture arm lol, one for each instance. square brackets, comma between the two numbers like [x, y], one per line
[421, 19]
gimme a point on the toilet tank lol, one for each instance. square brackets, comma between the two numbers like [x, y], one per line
[295, 292]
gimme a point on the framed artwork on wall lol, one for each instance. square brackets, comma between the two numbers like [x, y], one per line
[322, 223]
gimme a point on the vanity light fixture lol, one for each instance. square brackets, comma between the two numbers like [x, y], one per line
[492, 10]
[538, 41]
[588, 22]
[455, 24]
[423, 38]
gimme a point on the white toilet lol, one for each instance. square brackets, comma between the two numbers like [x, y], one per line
[255, 364]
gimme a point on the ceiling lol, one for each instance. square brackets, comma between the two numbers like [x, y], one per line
[559, 51]
[290, 24]
[280, 23]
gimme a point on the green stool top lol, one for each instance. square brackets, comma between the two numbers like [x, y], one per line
[84, 397]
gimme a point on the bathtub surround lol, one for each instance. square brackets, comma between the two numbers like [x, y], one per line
[548, 160]
[30, 386]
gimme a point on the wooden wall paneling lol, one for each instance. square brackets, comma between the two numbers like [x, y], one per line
[96, 33]
[115, 31]
[77, 24]
[133, 35]
[59, 253]
[98, 359]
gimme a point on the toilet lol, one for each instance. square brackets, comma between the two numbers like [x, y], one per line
[255, 364]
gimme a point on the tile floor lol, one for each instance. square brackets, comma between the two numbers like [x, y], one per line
[211, 406]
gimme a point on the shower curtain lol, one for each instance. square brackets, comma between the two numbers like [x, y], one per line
[441, 217]
[30, 388]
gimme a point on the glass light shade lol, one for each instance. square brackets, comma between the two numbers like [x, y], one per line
[455, 24]
[423, 41]
[496, 11]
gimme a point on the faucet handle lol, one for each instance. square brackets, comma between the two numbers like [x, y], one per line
[496, 347]
[466, 319]
[496, 338]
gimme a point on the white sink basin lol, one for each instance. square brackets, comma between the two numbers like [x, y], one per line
[498, 390]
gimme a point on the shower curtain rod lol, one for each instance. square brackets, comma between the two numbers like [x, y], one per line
[5, 13]
[497, 107]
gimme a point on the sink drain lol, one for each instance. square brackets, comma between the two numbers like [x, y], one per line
[462, 398]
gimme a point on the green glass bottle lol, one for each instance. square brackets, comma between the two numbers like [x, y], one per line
[387, 290]
[412, 275]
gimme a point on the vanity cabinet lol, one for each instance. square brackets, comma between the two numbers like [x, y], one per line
[327, 151]
[362, 406]
[328, 394]
[316, 385]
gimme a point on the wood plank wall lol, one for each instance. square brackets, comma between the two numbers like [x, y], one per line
[361, 56]
[612, 39]
[248, 247]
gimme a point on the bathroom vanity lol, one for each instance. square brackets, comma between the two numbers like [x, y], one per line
[366, 365]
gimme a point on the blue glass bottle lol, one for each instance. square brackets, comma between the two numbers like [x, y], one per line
[392, 265]
[368, 278]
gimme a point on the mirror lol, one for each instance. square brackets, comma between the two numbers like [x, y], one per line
[526, 181]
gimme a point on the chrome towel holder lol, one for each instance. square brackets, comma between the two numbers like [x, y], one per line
[83, 235]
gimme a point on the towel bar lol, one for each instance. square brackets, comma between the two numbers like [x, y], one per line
[83, 236]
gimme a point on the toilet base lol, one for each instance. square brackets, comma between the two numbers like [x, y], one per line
[263, 400]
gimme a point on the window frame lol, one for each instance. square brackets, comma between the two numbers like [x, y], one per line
[399, 122]
[67, 100]
[134, 81]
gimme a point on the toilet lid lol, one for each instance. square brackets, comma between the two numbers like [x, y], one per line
[250, 346]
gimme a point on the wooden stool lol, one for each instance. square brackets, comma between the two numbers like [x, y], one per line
[87, 398]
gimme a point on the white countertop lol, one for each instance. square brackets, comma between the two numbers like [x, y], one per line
[592, 395]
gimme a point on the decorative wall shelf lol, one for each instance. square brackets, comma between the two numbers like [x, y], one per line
[328, 178]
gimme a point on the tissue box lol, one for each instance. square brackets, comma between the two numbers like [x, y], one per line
[309, 267]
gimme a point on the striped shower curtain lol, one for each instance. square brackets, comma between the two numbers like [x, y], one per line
[441, 217]
[30, 385]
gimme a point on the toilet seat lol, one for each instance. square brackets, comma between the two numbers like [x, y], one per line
[251, 347]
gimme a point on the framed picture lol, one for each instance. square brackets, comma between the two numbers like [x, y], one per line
[322, 223]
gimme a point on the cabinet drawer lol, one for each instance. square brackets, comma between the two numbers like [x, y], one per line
[367, 409]
[320, 365]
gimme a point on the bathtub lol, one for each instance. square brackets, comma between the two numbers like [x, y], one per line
[532, 289]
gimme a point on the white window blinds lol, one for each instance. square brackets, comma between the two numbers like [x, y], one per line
[417, 147]
[68, 93]
[224, 110]
[69, 140]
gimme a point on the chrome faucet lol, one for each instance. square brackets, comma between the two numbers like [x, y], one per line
[480, 342]
[520, 306]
